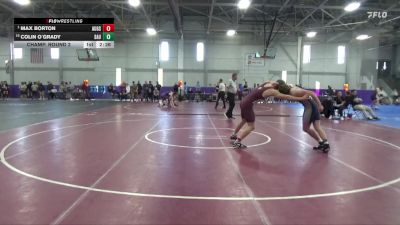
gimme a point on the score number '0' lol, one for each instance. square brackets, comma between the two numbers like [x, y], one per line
[108, 27]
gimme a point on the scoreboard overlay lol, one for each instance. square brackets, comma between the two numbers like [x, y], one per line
[64, 32]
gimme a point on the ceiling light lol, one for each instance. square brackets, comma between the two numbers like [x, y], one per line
[311, 34]
[352, 6]
[151, 31]
[231, 33]
[362, 37]
[23, 2]
[243, 4]
[134, 3]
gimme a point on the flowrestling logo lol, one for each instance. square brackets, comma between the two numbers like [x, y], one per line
[377, 14]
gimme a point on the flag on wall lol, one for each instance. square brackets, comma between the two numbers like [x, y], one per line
[37, 55]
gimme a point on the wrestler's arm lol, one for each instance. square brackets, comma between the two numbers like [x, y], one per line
[277, 94]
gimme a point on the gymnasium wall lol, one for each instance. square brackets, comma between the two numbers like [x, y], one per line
[138, 58]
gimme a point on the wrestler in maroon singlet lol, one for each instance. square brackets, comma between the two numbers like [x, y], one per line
[268, 89]
[246, 105]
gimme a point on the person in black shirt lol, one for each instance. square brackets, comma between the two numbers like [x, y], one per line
[29, 88]
[111, 90]
[175, 92]
[151, 91]
[176, 88]
[140, 90]
[356, 102]
[158, 86]
[339, 103]
[330, 91]
[41, 89]
[145, 91]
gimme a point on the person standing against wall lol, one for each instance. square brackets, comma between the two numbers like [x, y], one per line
[42, 90]
[140, 91]
[221, 93]
[231, 91]
[134, 91]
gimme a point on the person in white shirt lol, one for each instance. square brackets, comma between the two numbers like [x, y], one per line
[221, 93]
[383, 97]
[395, 96]
[231, 91]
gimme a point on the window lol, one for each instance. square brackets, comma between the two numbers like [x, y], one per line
[341, 54]
[18, 53]
[307, 54]
[200, 52]
[118, 77]
[384, 66]
[317, 87]
[55, 53]
[164, 51]
[284, 75]
[160, 76]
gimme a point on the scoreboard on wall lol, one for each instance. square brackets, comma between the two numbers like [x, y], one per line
[64, 33]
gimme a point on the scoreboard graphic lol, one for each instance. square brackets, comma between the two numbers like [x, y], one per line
[64, 33]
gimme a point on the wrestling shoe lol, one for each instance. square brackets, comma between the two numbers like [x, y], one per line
[323, 146]
[238, 145]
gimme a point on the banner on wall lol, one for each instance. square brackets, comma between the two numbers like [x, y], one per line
[252, 60]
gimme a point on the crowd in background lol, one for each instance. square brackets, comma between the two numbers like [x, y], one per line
[151, 92]
[380, 97]
[337, 102]
[37, 90]
[146, 92]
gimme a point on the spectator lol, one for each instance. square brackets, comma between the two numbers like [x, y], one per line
[63, 90]
[4, 90]
[221, 93]
[374, 99]
[395, 96]
[145, 90]
[29, 88]
[50, 90]
[240, 91]
[35, 90]
[339, 104]
[123, 93]
[70, 88]
[134, 91]
[186, 90]
[176, 88]
[383, 97]
[23, 90]
[41, 90]
[330, 91]
[85, 89]
[111, 90]
[156, 94]
[352, 99]
[151, 91]
[245, 89]
[140, 88]
[158, 86]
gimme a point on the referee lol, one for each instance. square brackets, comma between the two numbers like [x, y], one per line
[231, 90]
